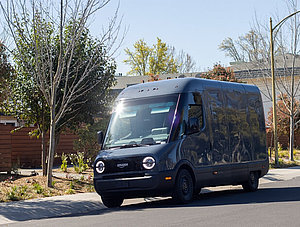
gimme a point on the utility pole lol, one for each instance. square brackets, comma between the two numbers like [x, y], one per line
[273, 93]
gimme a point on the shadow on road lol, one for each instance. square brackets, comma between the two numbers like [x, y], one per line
[229, 197]
[27, 210]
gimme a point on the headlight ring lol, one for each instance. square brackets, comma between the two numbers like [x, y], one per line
[148, 163]
[100, 167]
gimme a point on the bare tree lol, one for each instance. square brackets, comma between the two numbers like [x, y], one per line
[246, 48]
[41, 25]
[230, 48]
[186, 63]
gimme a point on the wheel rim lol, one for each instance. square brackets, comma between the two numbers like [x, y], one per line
[253, 180]
[185, 186]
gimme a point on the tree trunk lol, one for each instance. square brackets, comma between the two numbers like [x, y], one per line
[44, 150]
[291, 148]
[51, 146]
[44, 154]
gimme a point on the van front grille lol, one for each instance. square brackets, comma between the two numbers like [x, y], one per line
[127, 175]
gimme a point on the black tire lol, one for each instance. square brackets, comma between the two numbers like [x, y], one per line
[197, 191]
[112, 201]
[252, 184]
[184, 187]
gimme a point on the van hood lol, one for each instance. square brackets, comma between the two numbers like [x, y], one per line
[136, 151]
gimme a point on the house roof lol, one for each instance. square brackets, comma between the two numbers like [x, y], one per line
[242, 70]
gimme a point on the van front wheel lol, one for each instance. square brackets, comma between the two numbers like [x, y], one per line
[252, 184]
[112, 201]
[184, 187]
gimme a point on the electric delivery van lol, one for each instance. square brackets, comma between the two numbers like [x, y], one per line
[174, 137]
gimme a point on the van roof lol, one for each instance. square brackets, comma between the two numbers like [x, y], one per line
[180, 85]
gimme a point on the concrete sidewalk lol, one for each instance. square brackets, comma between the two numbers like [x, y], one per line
[82, 203]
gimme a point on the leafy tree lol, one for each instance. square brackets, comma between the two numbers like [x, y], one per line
[6, 73]
[87, 142]
[66, 76]
[99, 79]
[220, 73]
[26, 101]
[139, 59]
[160, 61]
[145, 60]
[153, 78]
[28, 104]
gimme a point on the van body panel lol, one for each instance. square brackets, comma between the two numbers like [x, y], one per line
[226, 141]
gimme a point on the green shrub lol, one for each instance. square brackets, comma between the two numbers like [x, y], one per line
[70, 191]
[279, 145]
[64, 163]
[90, 188]
[38, 188]
[17, 193]
[12, 195]
[72, 185]
[77, 161]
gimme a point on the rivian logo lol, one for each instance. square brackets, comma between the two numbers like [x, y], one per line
[122, 165]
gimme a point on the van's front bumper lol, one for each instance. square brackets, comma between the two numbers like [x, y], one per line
[135, 185]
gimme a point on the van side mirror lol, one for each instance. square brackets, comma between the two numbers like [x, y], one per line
[100, 137]
[193, 126]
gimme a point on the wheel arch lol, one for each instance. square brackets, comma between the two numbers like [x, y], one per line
[185, 164]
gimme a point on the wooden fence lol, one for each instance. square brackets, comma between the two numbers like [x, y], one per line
[5, 150]
[18, 149]
[284, 140]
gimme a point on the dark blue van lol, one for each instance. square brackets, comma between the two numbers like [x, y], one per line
[174, 137]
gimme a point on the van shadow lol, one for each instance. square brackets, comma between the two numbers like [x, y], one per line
[217, 198]
[228, 197]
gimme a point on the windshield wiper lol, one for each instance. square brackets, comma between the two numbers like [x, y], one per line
[130, 145]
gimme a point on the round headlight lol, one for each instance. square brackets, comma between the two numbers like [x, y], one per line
[100, 167]
[148, 163]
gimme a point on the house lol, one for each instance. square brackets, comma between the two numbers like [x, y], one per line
[8, 120]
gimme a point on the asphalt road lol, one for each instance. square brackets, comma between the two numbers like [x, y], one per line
[274, 204]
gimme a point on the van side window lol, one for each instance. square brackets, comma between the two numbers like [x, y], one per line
[196, 108]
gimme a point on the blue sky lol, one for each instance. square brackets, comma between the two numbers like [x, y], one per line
[195, 26]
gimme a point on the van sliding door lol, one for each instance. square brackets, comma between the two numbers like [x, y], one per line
[218, 128]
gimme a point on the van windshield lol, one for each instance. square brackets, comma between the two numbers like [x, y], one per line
[141, 122]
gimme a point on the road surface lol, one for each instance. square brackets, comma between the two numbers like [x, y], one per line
[276, 203]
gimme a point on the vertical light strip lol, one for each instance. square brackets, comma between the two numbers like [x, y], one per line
[174, 117]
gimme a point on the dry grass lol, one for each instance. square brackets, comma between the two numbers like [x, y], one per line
[283, 161]
[18, 187]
